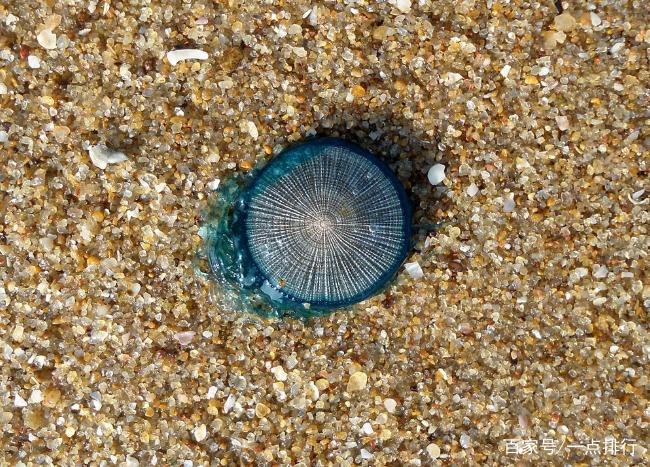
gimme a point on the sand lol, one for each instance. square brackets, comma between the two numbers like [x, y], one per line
[525, 338]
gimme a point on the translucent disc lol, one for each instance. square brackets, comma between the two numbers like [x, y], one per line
[327, 223]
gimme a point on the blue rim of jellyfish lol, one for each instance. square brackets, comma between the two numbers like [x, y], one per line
[228, 248]
[297, 155]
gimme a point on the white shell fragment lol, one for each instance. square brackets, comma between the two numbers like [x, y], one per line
[414, 270]
[635, 198]
[101, 156]
[436, 174]
[505, 70]
[175, 56]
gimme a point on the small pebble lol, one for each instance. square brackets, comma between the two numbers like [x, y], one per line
[101, 156]
[552, 38]
[214, 184]
[616, 48]
[449, 79]
[61, 133]
[358, 91]
[442, 374]
[382, 32]
[509, 204]
[184, 338]
[200, 432]
[403, 5]
[229, 404]
[52, 397]
[17, 334]
[562, 122]
[601, 272]
[252, 129]
[279, 373]
[33, 61]
[390, 405]
[46, 39]
[312, 391]
[530, 79]
[261, 410]
[300, 52]
[472, 190]
[595, 19]
[294, 30]
[322, 384]
[36, 397]
[357, 381]
[564, 22]
[19, 401]
[433, 450]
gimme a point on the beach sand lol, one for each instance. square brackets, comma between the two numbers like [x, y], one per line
[528, 329]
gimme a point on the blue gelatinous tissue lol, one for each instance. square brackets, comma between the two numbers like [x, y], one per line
[324, 225]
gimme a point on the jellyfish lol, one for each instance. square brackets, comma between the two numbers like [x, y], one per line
[322, 226]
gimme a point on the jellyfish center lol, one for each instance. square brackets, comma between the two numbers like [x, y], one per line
[322, 224]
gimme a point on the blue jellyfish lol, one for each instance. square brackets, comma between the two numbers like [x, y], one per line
[324, 225]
